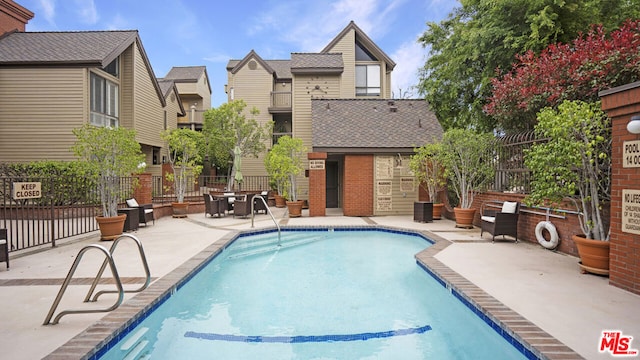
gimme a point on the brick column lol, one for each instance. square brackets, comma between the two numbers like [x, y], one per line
[142, 192]
[621, 104]
[317, 183]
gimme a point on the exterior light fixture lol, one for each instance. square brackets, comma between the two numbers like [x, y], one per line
[634, 125]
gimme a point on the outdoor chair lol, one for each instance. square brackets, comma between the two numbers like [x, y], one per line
[259, 205]
[503, 222]
[230, 200]
[242, 207]
[214, 206]
[145, 211]
[4, 247]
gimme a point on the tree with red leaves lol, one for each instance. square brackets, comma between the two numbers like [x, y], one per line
[576, 71]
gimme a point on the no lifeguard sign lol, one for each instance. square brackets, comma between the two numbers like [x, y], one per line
[27, 190]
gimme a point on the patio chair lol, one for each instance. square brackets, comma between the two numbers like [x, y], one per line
[4, 247]
[145, 211]
[230, 200]
[214, 206]
[259, 205]
[503, 222]
[242, 207]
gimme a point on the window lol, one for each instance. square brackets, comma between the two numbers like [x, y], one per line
[281, 127]
[367, 80]
[104, 100]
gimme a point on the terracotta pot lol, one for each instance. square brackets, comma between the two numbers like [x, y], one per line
[437, 211]
[594, 255]
[180, 210]
[464, 217]
[295, 208]
[111, 227]
[280, 201]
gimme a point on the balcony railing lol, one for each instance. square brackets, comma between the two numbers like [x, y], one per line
[280, 101]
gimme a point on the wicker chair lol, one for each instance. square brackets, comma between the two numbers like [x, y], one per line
[503, 222]
[145, 211]
[214, 206]
[242, 206]
[259, 205]
[4, 247]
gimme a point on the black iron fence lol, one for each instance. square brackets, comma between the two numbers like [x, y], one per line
[41, 210]
[511, 173]
[162, 189]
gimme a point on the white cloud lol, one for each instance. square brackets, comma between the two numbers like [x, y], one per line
[217, 58]
[410, 57]
[49, 10]
[86, 10]
[118, 22]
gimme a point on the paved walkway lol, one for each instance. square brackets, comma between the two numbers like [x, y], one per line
[545, 287]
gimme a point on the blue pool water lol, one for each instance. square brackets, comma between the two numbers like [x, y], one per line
[320, 295]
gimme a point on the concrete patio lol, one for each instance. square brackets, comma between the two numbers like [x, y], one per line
[545, 287]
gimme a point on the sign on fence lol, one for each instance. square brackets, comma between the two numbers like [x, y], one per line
[27, 190]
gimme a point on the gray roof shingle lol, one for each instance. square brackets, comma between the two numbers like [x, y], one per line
[81, 47]
[373, 125]
[185, 73]
[305, 62]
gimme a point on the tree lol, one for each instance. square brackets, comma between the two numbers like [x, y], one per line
[428, 169]
[576, 71]
[284, 163]
[484, 35]
[228, 133]
[184, 158]
[579, 147]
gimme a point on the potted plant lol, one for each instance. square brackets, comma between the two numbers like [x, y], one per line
[467, 160]
[430, 174]
[184, 159]
[284, 164]
[110, 153]
[579, 147]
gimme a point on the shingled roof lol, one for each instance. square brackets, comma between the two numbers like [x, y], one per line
[372, 125]
[315, 62]
[82, 48]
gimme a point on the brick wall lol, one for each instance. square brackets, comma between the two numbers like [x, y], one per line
[358, 185]
[144, 189]
[317, 187]
[624, 262]
[13, 16]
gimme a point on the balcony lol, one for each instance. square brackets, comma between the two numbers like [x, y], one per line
[280, 102]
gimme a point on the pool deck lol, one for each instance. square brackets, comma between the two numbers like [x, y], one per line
[542, 286]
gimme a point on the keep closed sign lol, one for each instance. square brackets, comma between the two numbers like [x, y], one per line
[27, 190]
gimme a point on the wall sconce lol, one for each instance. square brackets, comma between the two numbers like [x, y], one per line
[634, 125]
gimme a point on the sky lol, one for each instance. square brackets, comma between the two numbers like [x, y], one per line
[211, 32]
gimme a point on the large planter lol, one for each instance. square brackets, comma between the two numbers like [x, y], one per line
[280, 201]
[111, 227]
[437, 211]
[594, 255]
[180, 210]
[464, 217]
[295, 208]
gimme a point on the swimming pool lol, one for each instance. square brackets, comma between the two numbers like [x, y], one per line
[347, 293]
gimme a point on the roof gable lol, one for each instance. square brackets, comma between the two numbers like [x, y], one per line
[252, 55]
[363, 39]
[168, 87]
[188, 74]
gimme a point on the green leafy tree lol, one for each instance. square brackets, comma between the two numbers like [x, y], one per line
[284, 163]
[184, 158]
[109, 154]
[428, 169]
[481, 36]
[228, 133]
[574, 164]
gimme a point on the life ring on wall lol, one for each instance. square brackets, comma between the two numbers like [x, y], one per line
[552, 243]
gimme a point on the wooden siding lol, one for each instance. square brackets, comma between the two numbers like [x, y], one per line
[304, 89]
[38, 109]
[148, 114]
[254, 87]
[347, 46]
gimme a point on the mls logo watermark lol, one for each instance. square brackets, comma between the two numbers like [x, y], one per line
[616, 343]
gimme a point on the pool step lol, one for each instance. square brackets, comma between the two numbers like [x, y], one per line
[271, 244]
[135, 345]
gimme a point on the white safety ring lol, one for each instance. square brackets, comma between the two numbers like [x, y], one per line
[552, 243]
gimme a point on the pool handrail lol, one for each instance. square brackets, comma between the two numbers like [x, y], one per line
[253, 214]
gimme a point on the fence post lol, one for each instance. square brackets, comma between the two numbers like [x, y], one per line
[53, 214]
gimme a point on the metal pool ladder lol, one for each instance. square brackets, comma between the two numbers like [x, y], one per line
[253, 214]
[114, 271]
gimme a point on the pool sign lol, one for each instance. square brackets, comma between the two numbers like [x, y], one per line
[631, 154]
[631, 211]
[27, 190]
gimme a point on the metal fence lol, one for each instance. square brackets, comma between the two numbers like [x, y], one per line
[511, 173]
[63, 208]
[162, 189]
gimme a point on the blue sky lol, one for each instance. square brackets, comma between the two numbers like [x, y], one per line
[197, 32]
